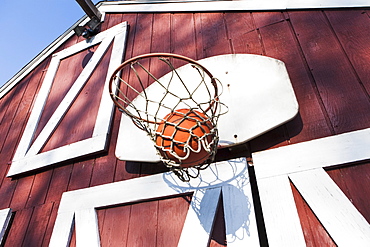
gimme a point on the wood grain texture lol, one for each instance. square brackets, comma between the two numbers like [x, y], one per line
[171, 217]
[339, 88]
[143, 212]
[352, 30]
[263, 19]
[38, 192]
[242, 33]
[114, 228]
[58, 183]
[13, 124]
[354, 181]
[213, 35]
[280, 42]
[81, 175]
[183, 36]
[37, 225]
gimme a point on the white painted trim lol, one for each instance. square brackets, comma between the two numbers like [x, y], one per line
[78, 149]
[283, 227]
[303, 163]
[68, 100]
[27, 156]
[344, 223]
[5, 216]
[194, 228]
[324, 152]
[206, 191]
[87, 229]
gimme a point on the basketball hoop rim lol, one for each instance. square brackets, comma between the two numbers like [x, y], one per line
[170, 55]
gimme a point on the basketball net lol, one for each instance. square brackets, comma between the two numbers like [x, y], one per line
[179, 114]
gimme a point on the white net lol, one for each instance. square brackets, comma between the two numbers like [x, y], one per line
[176, 101]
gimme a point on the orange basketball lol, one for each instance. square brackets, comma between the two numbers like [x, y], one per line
[177, 130]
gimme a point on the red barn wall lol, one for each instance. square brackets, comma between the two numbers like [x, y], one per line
[327, 58]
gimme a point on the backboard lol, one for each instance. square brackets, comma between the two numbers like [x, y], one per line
[256, 90]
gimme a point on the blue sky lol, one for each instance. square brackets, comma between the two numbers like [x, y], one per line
[27, 27]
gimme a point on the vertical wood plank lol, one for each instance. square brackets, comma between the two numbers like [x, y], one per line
[242, 34]
[59, 183]
[21, 193]
[13, 125]
[183, 35]
[354, 181]
[280, 42]
[37, 225]
[50, 225]
[131, 19]
[143, 34]
[161, 41]
[81, 175]
[353, 32]
[19, 228]
[39, 188]
[114, 232]
[143, 212]
[171, 217]
[214, 35]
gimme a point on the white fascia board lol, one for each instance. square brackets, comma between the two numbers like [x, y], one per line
[180, 6]
[248, 5]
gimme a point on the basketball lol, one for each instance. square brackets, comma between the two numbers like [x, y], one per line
[181, 134]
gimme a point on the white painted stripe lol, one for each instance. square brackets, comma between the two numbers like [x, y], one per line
[199, 221]
[63, 229]
[106, 107]
[200, 217]
[67, 152]
[337, 214]
[27, 158]
[68, 100]
[324, 152]
[283, 227]
[5, 216]
[87, 229]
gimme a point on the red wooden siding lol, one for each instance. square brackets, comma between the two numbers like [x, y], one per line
[327, 58]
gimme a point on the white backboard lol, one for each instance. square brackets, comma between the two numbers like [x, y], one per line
[256, 89]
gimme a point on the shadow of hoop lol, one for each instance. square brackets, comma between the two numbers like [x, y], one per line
[229, 178]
